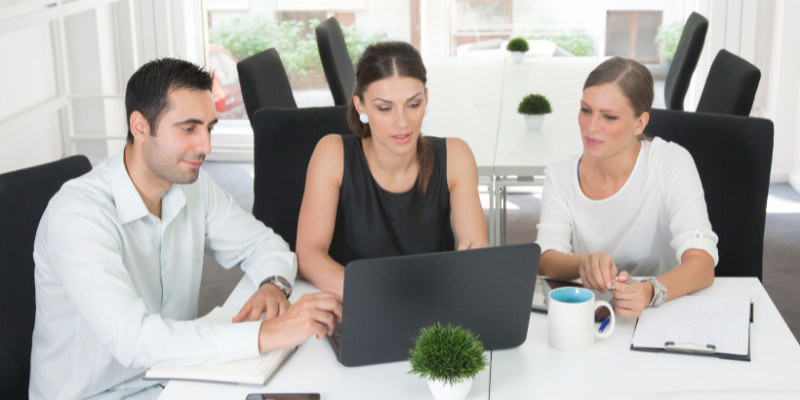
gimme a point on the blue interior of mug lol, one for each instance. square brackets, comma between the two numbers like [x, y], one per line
[571, 295]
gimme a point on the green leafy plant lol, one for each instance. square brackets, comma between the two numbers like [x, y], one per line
[447, 353]
[518, 44]
[534, 104]
[579, 43]
[246, 35]
[667, 39]
[357, 41]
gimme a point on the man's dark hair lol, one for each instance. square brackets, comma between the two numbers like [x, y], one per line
[150, 85]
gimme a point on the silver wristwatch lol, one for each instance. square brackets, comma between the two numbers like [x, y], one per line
[280, 282]
[659, 293]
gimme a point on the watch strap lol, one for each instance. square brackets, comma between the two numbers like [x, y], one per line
[279, 282]
[659, 293]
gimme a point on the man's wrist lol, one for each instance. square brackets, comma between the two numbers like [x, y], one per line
[280, 282]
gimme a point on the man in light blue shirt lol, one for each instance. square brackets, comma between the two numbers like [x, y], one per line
[119, 254]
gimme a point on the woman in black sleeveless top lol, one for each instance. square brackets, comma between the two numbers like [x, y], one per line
[386, 190]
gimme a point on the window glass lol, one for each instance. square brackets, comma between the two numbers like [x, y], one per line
[238, 29]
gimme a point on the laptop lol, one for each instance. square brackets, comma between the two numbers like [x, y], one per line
[388, 300]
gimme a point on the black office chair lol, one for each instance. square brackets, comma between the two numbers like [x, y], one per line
[284, 141]
[730, 87]
[734, 158]
[336, 61]
[24, 195]
[264, 83]
[683, 64]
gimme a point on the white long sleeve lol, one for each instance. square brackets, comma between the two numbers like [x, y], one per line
[117, 288]
[658, 214]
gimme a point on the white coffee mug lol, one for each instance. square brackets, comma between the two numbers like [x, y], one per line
[570, 319]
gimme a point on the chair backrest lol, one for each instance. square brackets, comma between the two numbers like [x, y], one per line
[734, 159]
[336, 61]
[264, 82]
[683, 64]
[24, 195]
[284, 141]
[730, 87]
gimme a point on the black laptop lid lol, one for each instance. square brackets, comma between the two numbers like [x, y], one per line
[388, 300]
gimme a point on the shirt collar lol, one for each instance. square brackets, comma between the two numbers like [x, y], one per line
[128, 201]
[130, 206]
[172, 203]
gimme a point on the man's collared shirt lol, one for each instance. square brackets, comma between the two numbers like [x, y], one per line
[117, 287]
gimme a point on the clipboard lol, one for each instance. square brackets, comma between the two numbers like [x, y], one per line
[697, 349]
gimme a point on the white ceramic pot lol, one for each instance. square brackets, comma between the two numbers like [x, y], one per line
[518, 57]
[442, 391]
[534, 122]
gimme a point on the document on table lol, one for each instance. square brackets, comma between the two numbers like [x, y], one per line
[253, 371]
[697, 322]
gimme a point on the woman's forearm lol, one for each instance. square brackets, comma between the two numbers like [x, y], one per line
[695, 272]
[557, 265]
[321, 270]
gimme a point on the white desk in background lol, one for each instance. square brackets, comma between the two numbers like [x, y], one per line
[521, 154]
[476, 99]
[610, 370]
[314, 369]
[550, 76]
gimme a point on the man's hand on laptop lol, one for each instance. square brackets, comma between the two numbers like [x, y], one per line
[267, 299]
[314, 314]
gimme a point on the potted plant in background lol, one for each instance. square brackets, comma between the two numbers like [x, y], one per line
[450, 358]
[534, 107]
[517, 47]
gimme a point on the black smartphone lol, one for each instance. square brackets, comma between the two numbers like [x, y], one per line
[283, 396]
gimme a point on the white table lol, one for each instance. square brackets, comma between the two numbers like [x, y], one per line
[313, 368]
[610, 370]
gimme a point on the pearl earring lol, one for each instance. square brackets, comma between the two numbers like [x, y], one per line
[363, 118]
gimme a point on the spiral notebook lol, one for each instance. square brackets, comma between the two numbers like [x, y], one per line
[251, 371]
[700, 325]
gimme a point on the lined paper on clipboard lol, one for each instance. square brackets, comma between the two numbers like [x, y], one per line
[697, 323]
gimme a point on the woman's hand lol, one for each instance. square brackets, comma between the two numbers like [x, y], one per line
[597, 271]
[630, 299]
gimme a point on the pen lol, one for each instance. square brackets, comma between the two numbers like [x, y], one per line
[604, 324]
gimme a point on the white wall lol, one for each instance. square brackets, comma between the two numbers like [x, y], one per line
[27, 76]
[783, 102]
[104, 46]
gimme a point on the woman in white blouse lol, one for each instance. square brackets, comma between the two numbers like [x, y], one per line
[630, 205]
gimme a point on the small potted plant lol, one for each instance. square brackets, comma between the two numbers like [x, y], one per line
[534, 107]
[450, 358]
[517, 47]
